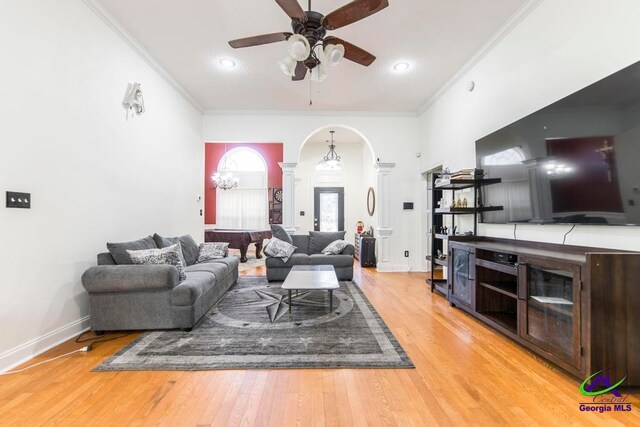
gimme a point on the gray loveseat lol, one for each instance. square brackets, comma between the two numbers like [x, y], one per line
[139, 297]
[309, 252]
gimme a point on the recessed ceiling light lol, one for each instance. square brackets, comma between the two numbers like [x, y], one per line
[401, 67]
[227, 63]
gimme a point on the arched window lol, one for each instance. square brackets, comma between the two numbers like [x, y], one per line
[243, 159]
[511, 156]
[247, 206]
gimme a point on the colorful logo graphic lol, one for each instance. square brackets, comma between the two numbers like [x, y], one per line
[597, 386]
[603, 380]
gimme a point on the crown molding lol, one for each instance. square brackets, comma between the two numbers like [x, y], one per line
[412, 114]
[139, 49]
[497, 37]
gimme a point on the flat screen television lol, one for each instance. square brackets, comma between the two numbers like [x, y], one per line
[576, 161]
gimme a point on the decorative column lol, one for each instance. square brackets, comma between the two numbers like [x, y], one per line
[383, 228]
[288, 195]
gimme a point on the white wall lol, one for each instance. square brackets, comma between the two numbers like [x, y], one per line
[559, 48]
[393, 138]
[94, 177]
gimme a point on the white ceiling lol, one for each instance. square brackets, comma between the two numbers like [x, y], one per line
[189, 37]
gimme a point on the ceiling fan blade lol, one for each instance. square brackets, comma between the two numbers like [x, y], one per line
[301, 71]
[352, 52]
[293, 9]
[353, 12]
[258, 40]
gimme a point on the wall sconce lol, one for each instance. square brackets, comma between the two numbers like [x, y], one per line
[133, 101]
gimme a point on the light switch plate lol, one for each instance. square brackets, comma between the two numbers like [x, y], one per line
[18, 200]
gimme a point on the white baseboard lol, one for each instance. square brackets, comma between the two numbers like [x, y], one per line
[401, 268]
[393, 268]
[27, 351]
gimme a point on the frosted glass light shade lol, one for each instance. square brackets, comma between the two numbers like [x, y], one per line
[320, 73]
[288, 66]
[298, 47]
[334, 54]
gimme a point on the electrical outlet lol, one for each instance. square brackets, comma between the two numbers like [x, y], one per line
[18, 200]
[200, 212]
[406, 254]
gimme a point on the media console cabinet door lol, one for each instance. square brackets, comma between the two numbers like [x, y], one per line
[462, 275]
[549, 306]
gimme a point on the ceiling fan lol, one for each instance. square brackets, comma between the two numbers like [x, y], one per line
[308, 46]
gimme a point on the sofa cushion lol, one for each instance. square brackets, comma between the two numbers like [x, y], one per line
[301, 241]
[119, 250]
[279, 249]
[105, 258]
[334, 260]
[170, 255]
[230, 262]
[335, 248]
[320, 239]
[217, 269]
[279, 232]
[187, 243]
[295, 259]
[175, 243]
[212, 250]
[197, 284]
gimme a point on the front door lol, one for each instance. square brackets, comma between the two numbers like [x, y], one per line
[328, 209]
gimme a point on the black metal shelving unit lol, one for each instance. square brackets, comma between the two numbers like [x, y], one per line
[437, 279]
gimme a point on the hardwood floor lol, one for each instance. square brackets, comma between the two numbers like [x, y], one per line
[466, 374]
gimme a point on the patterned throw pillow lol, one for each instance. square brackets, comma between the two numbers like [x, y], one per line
[213, 250]
[279, 249]
[170, 255]
[335, 248]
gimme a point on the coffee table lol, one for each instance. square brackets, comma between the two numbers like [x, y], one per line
[312, 278]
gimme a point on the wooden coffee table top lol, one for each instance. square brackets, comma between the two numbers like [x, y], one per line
[311, 277]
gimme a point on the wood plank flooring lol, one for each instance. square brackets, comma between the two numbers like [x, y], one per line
[466, 374]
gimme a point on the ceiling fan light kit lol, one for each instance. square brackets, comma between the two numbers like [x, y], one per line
[309, 31]
[298, 47]
[319, 73]
[288, 66]
[334, 54]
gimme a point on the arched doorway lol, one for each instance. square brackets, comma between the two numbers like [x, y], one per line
[330, 198]
[324, 130]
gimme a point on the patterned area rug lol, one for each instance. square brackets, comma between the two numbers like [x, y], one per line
[251, 328]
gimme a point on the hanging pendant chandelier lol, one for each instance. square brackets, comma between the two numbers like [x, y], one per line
[223, 178]
[331, 160]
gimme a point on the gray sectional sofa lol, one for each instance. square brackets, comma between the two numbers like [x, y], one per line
[138, 297]
[309, 252]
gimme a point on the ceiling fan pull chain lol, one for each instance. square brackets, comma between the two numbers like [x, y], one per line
[311, 89]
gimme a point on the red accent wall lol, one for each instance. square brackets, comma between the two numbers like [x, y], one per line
[272, 153]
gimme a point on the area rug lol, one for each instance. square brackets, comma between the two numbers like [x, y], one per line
[251, 328]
